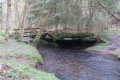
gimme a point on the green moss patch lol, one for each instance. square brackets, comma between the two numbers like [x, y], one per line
[20, 52]
[82, 36]
[18, 61]
[100, 46]
[11, 70]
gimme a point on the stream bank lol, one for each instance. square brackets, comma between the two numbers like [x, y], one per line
[18, 61]
[112, 46]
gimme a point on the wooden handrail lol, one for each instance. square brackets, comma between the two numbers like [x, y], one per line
[28, 29]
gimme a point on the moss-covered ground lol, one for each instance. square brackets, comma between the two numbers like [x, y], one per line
[11, 70]
[18, 61]
[20, 52]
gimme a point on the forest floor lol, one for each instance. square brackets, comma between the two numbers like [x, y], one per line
[112, 45]
[19, 60]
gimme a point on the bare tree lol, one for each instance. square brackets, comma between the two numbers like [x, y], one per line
[37, 38]
[23, 20]
[90, 15]
[8, 20]
[17, 14]
[1, 17]
[79, 14]
[56, 19]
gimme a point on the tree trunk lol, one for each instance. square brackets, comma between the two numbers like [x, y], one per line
[90, 16]
[65, 27]
[8, 20]
[79, 15]
[17, 14]
[22, 22]
[108, 11]
[56, 19]
[80, 23]
[1, 17]
[106, 19]
[37, 38]
[56, 23]
[77, 3]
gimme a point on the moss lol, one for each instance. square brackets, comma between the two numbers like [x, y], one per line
[32, 54]
[101, 46]
[58, 36]
[90, 38]
[20, 50]
[2, 33]
[10, 74]
[19, 71]
[82, 36]
[119, 33]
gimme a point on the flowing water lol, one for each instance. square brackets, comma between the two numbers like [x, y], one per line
[73, 64]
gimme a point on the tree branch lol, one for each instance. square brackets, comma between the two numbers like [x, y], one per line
[108, 11]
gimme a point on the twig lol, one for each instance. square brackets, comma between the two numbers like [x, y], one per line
[26, 67]
[103, 40]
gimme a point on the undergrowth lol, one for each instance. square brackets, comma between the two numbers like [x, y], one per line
[101, 46]
[22, 72]
[22, 59]
[20, 50]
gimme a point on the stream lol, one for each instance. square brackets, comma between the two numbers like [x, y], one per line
[74, 64]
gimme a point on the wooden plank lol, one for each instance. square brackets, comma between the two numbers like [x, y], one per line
[28, 32]
[19, 29]
[29, 29]
[16, 29]
[34, 28]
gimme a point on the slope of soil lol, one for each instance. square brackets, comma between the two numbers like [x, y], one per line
[18, 62]
[20, 52]
[11, 70]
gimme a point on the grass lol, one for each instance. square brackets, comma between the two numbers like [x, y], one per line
[20, 72]
[117, 30]
[101, 46]
[119, 33]
[18, 51]
[20, 60]
[117, 53]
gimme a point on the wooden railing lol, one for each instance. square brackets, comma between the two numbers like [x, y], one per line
[28, 31]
